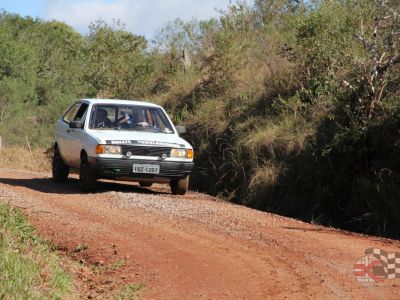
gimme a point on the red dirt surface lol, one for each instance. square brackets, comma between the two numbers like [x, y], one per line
[192, 246]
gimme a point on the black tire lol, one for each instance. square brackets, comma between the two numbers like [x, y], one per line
[60, 170]
[87, 176]
[179, 187]
[145, 184]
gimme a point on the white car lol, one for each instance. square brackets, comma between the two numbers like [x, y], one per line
[121, 140]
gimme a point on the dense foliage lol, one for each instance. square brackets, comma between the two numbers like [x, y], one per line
[292, 107]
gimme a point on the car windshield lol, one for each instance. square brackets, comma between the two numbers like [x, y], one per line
[129, 117]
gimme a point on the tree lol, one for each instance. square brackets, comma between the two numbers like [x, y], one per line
[116, 62]
[383, 48]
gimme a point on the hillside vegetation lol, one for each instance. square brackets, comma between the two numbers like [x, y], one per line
[292, 108]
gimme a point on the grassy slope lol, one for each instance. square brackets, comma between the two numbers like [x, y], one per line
[28, 268]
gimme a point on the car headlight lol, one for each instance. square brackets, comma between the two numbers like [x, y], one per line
[178, 153]
[111, 149]
[182, 153]
[108, 149]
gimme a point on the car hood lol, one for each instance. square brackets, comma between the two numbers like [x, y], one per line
[118, 137]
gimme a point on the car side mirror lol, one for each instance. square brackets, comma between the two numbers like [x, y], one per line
[76, 124]
[180, 129]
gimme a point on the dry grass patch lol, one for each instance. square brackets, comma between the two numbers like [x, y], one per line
[20, 158]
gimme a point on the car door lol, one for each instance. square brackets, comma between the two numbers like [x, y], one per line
[76, 137]
[63, 132]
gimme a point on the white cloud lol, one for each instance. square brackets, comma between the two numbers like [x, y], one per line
[139, 16]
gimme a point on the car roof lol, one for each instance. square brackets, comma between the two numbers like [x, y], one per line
[119, 101]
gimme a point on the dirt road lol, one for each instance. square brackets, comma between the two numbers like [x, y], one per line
[192, 246]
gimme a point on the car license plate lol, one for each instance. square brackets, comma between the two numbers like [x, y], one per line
[147, 169]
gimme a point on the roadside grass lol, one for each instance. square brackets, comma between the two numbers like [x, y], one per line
[24, 159]
[28, 267]
[131, 292]
[104, 268]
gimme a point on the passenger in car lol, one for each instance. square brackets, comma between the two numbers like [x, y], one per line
[102, 120]
[126, 120]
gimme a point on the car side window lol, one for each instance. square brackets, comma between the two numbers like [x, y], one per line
[70, 114]
[81, 114]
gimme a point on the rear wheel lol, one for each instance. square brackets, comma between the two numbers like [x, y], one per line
[179, 187]
[60, 170]
[145, 184]
[87, 176]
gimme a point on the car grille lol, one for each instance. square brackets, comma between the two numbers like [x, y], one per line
[146, 151]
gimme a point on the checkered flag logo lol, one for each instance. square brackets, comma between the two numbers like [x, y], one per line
[390, 261]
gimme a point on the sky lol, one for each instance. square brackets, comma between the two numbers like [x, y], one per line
[142, 17]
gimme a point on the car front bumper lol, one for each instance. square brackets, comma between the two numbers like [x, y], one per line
[123, 168]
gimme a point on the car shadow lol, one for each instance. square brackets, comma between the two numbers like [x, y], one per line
[47, 185]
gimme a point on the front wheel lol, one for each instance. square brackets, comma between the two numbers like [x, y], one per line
[87, 176]
[60, 170]
[179, 187]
